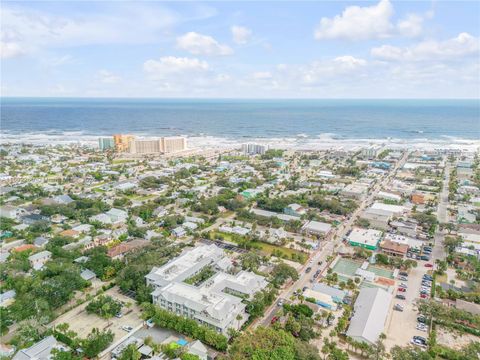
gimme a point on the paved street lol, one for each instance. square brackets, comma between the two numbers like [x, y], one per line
[328, 246]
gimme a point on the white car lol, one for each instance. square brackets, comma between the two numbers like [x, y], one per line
[422, 328]
[127, 328]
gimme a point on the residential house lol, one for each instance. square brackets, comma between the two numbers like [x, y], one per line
[41, 350]
[38, 260]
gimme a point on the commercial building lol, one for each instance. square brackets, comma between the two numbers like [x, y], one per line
[106, 143]
[254, 149]
[122, 142]
[355, 190]
[321, 299]
[393, 248]
[377, 218]
[395, 210]
[369, 315]
[317, 228]
[366, 238]
[216, 302]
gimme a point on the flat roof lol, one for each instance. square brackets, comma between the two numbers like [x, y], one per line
[365, 236]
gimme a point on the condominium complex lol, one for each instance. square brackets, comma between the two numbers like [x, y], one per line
[254, 149]
[370, 152]
[145, 146]
[173, 144]
[106, 143]
[161, 145]
[217, 301]
[122, 142]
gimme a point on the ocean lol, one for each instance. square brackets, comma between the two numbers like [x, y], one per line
[294, 123]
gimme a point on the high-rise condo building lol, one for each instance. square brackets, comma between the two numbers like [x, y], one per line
[145, 146]
[105, 143]
[122, 142]
[254, 149]
[161, 145]
[173, 144]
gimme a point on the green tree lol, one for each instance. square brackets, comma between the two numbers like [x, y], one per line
[130, 353]
[96, 342]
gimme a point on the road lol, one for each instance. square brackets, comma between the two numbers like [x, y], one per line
[442, 216]
[328, 247]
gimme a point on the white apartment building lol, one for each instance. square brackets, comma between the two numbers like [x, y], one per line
[173, 144]
[254, 149]
[156, 146]
[218, 301]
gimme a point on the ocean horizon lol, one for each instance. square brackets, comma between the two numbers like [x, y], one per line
[303, 122]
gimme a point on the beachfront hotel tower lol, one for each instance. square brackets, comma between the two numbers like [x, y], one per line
[161, 145]
[122, 142]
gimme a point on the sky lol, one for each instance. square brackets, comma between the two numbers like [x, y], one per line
[248, 49]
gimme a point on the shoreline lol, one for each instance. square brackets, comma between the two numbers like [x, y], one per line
[320, 142]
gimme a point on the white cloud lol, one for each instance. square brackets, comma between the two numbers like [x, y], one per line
[170, 65]
[358, 23]
[198, 44]
[349, 62]
[262, 75]
[107, 77]
[241, 35]
[10, 50]
[30, 30]
[411, 26]
[462, 45]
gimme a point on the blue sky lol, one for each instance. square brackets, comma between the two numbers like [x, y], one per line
[337, 49]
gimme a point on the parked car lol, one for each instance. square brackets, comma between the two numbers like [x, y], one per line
[403, 285]
[402, 278]
[281, 302]
[428, 265]
[150, 323]
[118, 315]
[424, 296]
[274, 320]
[400, 296]
[422, 327]
[425, 257]
[398, 307]
[127, 328]
[402, 290]
[403, 273]
[428, 277]
[421, 338]
[422, 319]
[308, 269]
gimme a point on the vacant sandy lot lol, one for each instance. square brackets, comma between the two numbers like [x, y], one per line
[453, 339]
[83, 323]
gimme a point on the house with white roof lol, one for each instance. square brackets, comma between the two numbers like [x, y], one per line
[38, 260]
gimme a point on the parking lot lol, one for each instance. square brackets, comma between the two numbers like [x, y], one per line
[401, 325]
[83, 323]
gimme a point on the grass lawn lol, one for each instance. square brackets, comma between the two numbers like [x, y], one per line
[268, 249]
